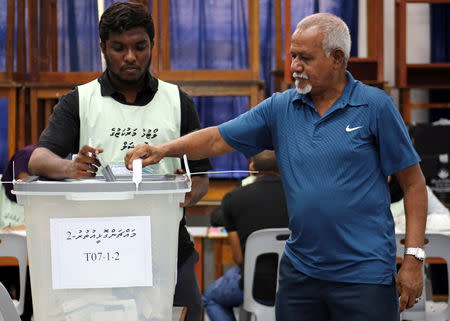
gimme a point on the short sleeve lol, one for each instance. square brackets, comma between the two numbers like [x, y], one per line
[395, 147]
[62, 135]
[250, 132]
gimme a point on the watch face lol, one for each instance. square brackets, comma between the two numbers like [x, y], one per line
[417, 252]
[420, 254]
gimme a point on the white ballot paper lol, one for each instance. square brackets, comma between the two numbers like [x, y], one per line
[101, 252]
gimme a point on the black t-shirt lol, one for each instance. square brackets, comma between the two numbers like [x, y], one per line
[253, 207]
[62, 136]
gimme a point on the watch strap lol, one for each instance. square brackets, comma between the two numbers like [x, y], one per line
[417, 252]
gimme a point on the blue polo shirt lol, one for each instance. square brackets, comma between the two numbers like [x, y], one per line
[334, 170]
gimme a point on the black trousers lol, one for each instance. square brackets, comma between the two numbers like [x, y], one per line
[187, 291]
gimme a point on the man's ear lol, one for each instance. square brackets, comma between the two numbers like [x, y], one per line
[338, 57]
[251, 165]
[103, 47]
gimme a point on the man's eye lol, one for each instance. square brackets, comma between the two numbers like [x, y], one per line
[141, 47]
[117, 48]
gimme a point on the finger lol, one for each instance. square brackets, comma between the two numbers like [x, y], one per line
[85, 150]
[96, 162]
[87, 160]
[79, 174]
[403, 301]
[84, 174]
[87, 154]
[86, 165]
[138, 152]
[93, 169]
[82, 157]
[411, 302]
[128, 156]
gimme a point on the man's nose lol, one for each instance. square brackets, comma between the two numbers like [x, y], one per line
[296, 65]
[130, 56]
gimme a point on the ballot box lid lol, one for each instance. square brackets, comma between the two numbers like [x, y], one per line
[151, 184]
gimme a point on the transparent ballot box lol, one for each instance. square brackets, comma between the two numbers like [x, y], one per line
[103, 250]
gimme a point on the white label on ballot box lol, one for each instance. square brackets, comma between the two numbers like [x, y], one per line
[101, 252]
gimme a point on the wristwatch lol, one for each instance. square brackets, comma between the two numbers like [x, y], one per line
[417, 252]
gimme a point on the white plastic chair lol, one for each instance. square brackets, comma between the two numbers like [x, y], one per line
[15, 245]
[7, 310]
[438, 246]
[261, 242]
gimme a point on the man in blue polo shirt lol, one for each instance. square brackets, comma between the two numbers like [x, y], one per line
[336, 141]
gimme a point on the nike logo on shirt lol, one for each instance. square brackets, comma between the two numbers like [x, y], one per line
[348, 129]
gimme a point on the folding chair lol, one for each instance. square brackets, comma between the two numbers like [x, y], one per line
[15, 245]
[438, 246]
[7, 310]
[261, 242]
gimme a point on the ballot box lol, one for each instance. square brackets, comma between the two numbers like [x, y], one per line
[103, 250]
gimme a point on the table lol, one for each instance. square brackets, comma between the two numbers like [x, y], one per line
[222, 250]
[199, 233]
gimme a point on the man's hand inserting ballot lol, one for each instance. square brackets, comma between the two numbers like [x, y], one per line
[149, 155]
[82, 165]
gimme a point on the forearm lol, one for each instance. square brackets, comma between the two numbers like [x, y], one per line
[196, 145]
[201, 144]
[414, 189]
[409, 278]
[415, 200]
[200, 184]
[45, 163]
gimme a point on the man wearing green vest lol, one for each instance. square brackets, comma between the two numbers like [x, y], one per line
[125, 107]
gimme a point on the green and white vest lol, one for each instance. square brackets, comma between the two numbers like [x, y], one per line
[117, 127]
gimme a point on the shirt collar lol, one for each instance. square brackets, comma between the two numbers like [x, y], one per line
[107, 89]
[346, 98]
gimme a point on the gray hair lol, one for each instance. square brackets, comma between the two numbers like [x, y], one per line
[335, 32]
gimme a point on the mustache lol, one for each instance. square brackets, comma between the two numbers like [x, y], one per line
[299, 75]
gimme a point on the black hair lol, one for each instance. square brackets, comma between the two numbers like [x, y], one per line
[265, 161]
[121, 16]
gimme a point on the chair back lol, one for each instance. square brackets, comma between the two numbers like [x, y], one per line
[260, 242]
[437, 246]
[7, 310]
[15, 245]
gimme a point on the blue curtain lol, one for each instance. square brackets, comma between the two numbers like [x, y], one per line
[214, 35]
[204, 35]
[78, 40]
[440, 52]
[3, 101]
